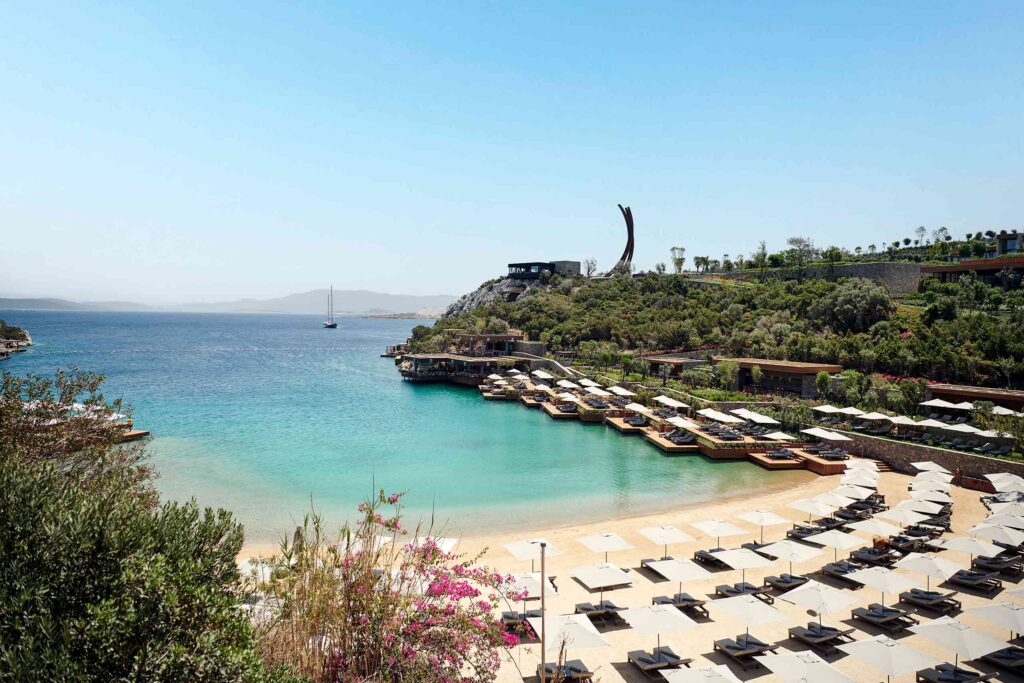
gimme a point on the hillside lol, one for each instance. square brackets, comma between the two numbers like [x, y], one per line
[966, 333]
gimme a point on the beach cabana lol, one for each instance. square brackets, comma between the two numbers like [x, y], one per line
[540, 374]
[638, 408]
[589, 382]
[597, 391]
[718, 416]
[669, 402]
[566, 384]
[665, 535]
[756, 418]
[825, 434]
[620, 391]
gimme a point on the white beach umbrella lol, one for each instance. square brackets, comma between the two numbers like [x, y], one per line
[638, 408]
[861, 464]
[932, 496]
[756, 418]
[789, 551]
[1007, 508]
[834, 500]
[835, 539]
[998, 534]
[812, 507]
[566, 384]
[827, 409]
[762, 518]
[718, 528]
[902, 515]
[444, 544]
[1000, 477]
[747, 610]
[916, 485]
[589, 382]
[529, 583]
[873, 416]
[936, 403]
[965, 641]
[601, 577]
[859, 478]
[607, 542]
[573, 631]
[931, 566]
[825, 434]
[682, 423]
[850, 410]
[854, 492]
[800, 667]
[742, 559]
[1009, 487]
[595, 391]
[929, 466]
[884, 580]
[657, 619]
[934, 476]
[530, 550]
[874, 527]
[540, 374]
[620, 391]
[1005, 614]
[493, 376]
[889, 656]
[1012, 521]
[971, 546]
[963, 429]
[923, 506]
[670, 402]
[931, 423]
[674, 569]
[902, 420]
[719, 416]
[964, 405]
[716, 673]
[665, 535]
[779, 436]
[819, 598]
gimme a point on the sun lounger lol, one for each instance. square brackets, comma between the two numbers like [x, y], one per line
[876, 558]
[944, 603]
[802, 531]
[743, 649]
[574, 670]
[849, 515]
[1009, 658]
[785, 582]
[705, 557]
[1004, 564]
[823, 638]
[905, 544]
[650, 663]
[514, 620]
[981, 581]
[754, 546]
[887, 618]
[684, 602]
[947, 673]
[841, 570]
[605, 611]
[744, 588]
[923, 531]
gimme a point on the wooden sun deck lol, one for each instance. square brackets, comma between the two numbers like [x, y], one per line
[764, 461]
[821, 465]
[664, 444]
[135, 434]
[493, 396]
[552, 411]
[619, 423]
[593, 415]
[530, 401]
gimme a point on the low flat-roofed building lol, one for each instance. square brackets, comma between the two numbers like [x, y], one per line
[780, 376]
[488, 344]
[987, 269]
[532, 270]
[957, 393]
[455, 367]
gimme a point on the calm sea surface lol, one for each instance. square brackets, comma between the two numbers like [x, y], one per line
[270, 415]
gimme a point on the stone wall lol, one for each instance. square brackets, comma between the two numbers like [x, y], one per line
[899, 454]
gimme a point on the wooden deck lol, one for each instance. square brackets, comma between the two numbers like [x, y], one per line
[491, 396]
[667, 446]
[530, 402]
[619, 423]
[134, 434]
[821, 465]
[769, 464]
[555, 413]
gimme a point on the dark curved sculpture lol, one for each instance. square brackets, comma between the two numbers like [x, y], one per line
[625, 263]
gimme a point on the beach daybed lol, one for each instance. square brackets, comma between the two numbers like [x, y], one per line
[890, 619]
[841, 570]
[650, 663]
[684, 602]
[785, 582]
[946, 673]
[604, 612]
[1004, 564]
[743, 649]
[819, 637]
[944, 603]
[743, 588]
[989, 583]
[1010, 658]
[574, 670]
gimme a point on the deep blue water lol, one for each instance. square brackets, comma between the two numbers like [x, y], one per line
[269, 414]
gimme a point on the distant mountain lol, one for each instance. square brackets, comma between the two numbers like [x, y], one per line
[356, 302]
[346, 302]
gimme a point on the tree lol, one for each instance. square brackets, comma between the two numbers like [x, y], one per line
[659, 268]
[678, 258]
[728, 372]
[940, 235]
[872, 248]
[801, 251]
[920, 231]
[590, 267]
[823, 383]
[756, 375]
[760, 259]
[857, 250]
[99, 587]
[855, 306]
[906, 241]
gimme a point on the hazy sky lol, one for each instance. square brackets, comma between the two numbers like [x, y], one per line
[181, 151]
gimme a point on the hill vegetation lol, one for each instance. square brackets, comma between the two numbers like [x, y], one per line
[967, 332]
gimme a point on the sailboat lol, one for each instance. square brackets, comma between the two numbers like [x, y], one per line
[329, 323]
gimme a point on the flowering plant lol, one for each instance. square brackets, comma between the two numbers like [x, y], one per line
[372, 606]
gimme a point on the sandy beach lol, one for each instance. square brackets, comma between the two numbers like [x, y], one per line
[610, 664]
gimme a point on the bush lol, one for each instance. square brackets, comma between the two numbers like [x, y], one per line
[96, 587]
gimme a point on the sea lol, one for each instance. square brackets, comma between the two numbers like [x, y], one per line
[273, 416]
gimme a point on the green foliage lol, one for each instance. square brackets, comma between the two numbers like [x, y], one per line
[94, 586]
[727, 372]
[11, 333]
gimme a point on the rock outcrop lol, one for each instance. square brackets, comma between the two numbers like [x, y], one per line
[503, 289]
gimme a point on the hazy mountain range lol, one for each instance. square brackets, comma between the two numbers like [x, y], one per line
[346, 302]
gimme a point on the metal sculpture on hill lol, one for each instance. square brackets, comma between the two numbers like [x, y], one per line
[625, 264]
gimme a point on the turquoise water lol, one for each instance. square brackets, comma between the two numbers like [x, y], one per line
[268, 415]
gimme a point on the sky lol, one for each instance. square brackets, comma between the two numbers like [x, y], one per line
[208, 151]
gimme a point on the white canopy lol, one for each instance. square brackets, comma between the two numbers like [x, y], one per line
[834, 499]
[889, 656]
[596, 391]
[1005, 614]
[827, 409]
[834, 538]
[608, 542]
[902, 515]
[638, 408]
[998, 534]
[566, 384]
[812, 507]
[500, 382]
[884, 580]
[963, 429]
[932, 496]
[779, 436]
[930, 565]
[902, 420]
[619, 391]
[540, 374]
[716, 673]
[931, 423]
[670, 402]
[1000, 410]
[918, 505]
[937, 403]
[965, 641]
[747, 610]
[657, 619]
[573, 631]
[719, 416]
[763, 518]
[566, 396]
[665, 535]
[589, 382]
[929, 466]
[800, 667]
[873, 416]
[874, 527]
[850, 410]
[529, 583]
[859, 478]
[674, 569]
[682, 422]
[862, 464]
[819, 597]
[718, 528]
[964, 405]
[600, 576]
[741, 558]
[934, 476]
[542, 386]
[756, 418]
[825, 434]
[852, 491]
[971, 546]
[526, 551]
[789, 551]
[492, 376]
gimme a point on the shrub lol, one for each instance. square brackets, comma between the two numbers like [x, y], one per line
[94, 586]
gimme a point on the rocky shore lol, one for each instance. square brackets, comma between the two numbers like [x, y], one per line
[13, 340]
